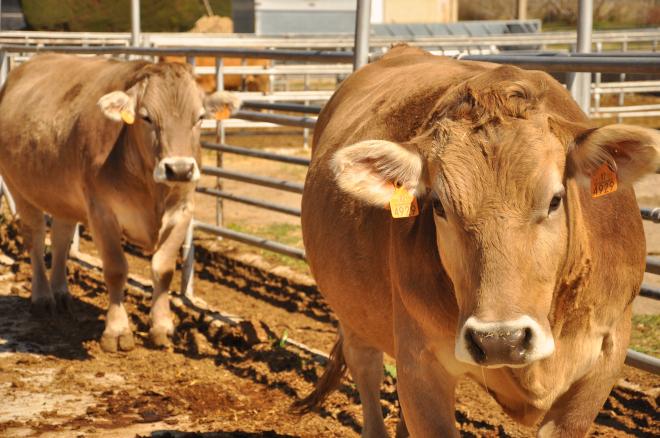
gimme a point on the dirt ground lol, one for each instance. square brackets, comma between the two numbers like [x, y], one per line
[222, 379]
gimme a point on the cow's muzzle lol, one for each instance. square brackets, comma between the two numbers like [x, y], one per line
[176, 170]
[512, 343]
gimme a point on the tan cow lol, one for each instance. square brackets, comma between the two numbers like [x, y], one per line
[511, 273]
[113, 144]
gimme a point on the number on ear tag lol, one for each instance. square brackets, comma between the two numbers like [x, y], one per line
[603, 181]
[403, 203]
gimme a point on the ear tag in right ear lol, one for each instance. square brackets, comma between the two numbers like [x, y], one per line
[403, 203]
[223, 113]
[603, 181]
[127, 117]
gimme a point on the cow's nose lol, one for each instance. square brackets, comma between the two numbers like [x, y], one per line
[179, 171]
[506, 346]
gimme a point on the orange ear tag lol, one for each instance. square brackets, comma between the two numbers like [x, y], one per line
[603, 181]
[403, 203]
[223, 113]
[127, 117]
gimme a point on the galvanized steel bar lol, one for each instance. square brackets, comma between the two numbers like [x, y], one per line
[651, 214]
[280, 119]
[643, 361]
[188, 266]
[255, 153]
[281, 184]
[362, 28]
[653, 265]
[582, 83]
[278, 54]
[135, 23]
[649, 292]
[292, 107]
[592, 64]
[249, 201]
[251, 240]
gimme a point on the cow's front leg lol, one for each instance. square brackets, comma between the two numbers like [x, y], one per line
[107, 236]
[425, 388]
[163, 264]
[574, 412]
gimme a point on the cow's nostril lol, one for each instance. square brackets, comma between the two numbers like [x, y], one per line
[179, 171]
[499, 345]
[169, 172]
[473, 339]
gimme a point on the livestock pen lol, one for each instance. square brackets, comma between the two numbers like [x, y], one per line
[204, 326]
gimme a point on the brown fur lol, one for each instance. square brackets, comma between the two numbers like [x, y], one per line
[495, 143]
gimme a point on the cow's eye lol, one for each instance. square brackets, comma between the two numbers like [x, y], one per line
[146, 118]
[555, 202]
[438, 208]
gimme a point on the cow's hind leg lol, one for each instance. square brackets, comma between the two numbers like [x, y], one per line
[61, 235]
[107, 236]
[365, 364]
[33, 228]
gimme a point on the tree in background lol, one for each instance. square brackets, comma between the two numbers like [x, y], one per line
[115, 15]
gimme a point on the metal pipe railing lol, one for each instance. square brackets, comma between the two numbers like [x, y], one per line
[255, 153]
[249, 201]
[251, 240]
[569, 64]
[264, 181]
[653, 265]
[649, 292]
[280, 119]
[643, 361]
[651, 214]
[291, 107]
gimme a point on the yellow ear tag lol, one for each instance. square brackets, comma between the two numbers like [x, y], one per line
[403, 203]
[223, 113]
[127, 117]
[603, 181]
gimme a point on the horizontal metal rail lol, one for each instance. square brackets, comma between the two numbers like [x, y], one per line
[255, 153]
[281, 54]
[251, 240]
[593, 64]
[249, 201]
[291, 107]
[264, 181]
[653, 265]
[649, 292]
[643, 361]
[280, 69]
[651, 214]
[629, 108]
[280, 119]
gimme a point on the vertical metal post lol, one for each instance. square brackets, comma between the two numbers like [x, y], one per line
[220, 136]
[75, 243]
[4, 64]
[0, 15]
[188, 266]
[361, 46]
[597, 80]
[306, 130]
[622, 78]
[582, 84]
[4, 191]
[135, 23]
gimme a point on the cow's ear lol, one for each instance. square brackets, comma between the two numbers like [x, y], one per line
[630, 150]
[221, 104]
[369, 170]
[119, 106]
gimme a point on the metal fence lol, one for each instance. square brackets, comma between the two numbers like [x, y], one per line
[618, 63]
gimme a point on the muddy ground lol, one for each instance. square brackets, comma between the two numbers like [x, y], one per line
[221, 379]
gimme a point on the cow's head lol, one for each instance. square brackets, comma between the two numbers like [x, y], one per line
[501, 171]
[165, 107]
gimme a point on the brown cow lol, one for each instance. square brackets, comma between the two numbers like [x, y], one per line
[231, 82]
[511, 273]
[70, 145]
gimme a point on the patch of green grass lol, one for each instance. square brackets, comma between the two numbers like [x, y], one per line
[285, 233]
[645, 336]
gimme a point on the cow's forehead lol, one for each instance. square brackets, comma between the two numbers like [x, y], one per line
[173, 92]
[510, 165]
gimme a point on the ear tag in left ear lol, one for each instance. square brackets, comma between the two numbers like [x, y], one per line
[603, 181]
[127, 117]
[403, 203]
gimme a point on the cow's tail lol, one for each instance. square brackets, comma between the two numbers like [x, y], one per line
[329, 381]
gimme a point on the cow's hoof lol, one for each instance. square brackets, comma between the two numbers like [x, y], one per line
[160, 338]
[65, 305]
[43, 308]
[112, 343]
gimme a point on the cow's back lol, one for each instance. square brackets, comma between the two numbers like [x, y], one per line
[49, 120]
[391, 99]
